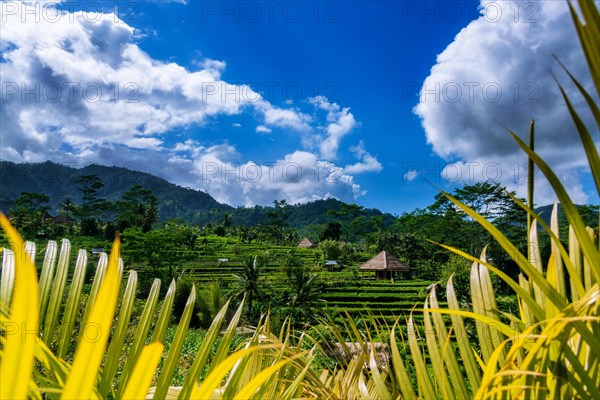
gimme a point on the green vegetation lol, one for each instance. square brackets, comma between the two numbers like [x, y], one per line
[522, 321]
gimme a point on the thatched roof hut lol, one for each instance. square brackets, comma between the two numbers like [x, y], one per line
[386, 266]
[306, 243]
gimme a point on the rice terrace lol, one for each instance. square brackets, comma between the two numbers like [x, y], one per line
[259, 200]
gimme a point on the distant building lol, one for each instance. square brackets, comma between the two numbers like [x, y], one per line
[47, 217]
[306, 243]
[332, 265]
[386, 266]
[64, 219]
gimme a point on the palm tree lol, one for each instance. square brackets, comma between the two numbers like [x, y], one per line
[306, 291]
[247, 283]
[67, 206]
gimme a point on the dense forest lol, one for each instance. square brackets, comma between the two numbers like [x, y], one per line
[63, 201]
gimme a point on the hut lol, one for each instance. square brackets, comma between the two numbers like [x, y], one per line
[332, 266]
[64, 219]
[386, 266]
[306, 243]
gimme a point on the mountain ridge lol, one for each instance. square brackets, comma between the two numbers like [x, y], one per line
[190, 205]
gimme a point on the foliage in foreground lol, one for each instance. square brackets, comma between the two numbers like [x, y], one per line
[549, 349]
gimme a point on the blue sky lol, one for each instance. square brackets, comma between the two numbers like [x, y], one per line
[359, 54]
[323, 97]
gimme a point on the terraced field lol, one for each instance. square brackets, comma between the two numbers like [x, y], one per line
[382, 300]
[343, 291]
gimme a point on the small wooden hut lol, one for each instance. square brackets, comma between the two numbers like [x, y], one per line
[386, 266]
[306, 243]
[332, 266]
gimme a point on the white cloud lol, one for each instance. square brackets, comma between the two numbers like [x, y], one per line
[368, 163]
[81, 79]
[298, 177]
[80, 89]
[285, 118]
[263, 129]
[340, 123]
[410, 176]
[497, 72]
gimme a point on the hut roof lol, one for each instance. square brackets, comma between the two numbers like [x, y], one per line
[307, 243]
[63, 219]
[384, 262]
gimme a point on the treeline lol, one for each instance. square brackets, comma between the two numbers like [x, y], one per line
[194, 207]
[341, 229]
[93, 216]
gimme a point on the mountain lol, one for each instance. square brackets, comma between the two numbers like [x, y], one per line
[59, 183]
[192, 206]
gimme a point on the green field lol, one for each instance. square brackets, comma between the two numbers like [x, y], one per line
[344, 290]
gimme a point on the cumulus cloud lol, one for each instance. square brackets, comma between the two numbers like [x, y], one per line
[285, 118]
[340, 122]
[83, 81]
[496, 73]
[298, 177]
[368, 163]
[78, 89]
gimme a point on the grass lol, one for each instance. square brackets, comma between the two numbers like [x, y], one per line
[548, 348]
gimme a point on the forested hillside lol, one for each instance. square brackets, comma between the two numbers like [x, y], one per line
[59, 183]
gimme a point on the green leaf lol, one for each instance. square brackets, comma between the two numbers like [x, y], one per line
[426, 389]
[113, 354]
[140, 336]
[46, 277]
[70, 315]
[587, 246]
[97, 282]
[462, 338]
[89, 352]
[56, 295]
[168, 368]
[18, 349]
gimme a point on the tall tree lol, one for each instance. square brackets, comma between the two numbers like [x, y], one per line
[67, 207]
[89, 187]
[92, 207]
[349, 216]
[247, 283]
[333, 231]
[138, 207]
[30, 210]
[278, 220]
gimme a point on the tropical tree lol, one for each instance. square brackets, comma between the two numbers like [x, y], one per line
[138, 207]
[67, 207]
[332, 231]
[30, 212]
[92, 206]
[347, 214]
[278, 220]
[304, 295]
[248, 284]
